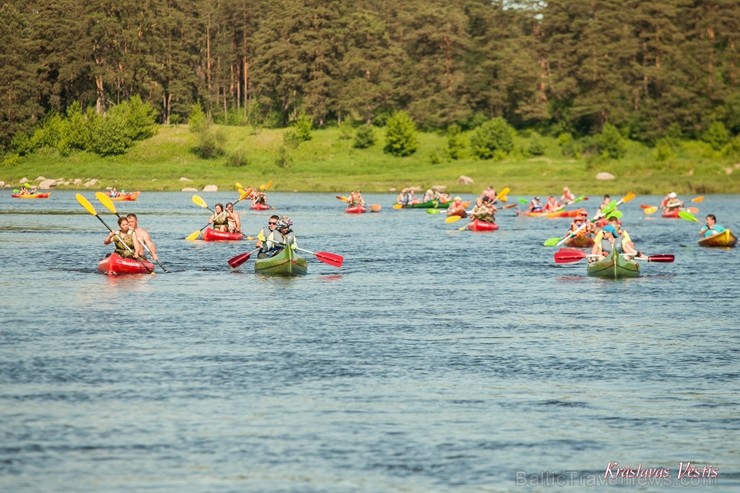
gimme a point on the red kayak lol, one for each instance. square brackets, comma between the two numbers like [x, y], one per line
[357, 209]
[115, 265]
[477, 225]
[260, 207]
[212, 235]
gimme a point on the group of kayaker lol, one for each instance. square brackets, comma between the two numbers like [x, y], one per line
[226, 219]
[130, 240]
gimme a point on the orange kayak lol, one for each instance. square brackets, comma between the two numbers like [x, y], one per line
[723, 239]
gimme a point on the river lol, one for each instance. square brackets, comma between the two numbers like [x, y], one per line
[433, 360]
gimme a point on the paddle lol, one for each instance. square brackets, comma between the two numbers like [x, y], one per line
[698, 199]
[397, 206]
[570, 255]
[108, 203]
[650, 210]
[238, 260]
[524, 201]
[342, 198]
[243, 193]
[605, 212]
[265, 186]
[326, 257]
[687, 216]
[89, 208]
[197, 200]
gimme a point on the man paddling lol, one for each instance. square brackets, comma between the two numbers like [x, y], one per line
[142, 235]
[711, 227]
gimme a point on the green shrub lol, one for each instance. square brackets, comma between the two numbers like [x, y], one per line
[111, 136]
[303, 127]
[494, 135]
[716, 136]
[236, 160]
[455, 142]
[364, 137]
[610, 142]
[291, 139]
[345, 130]
[536, 147]
[400, 135]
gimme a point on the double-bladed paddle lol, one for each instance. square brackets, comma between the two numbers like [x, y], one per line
[570, 255]
[238, 260]
[108, 204]
[89, 208]
[198, 200]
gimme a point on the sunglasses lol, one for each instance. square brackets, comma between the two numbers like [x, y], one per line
[272, 222]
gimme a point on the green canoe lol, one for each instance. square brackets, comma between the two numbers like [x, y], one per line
[431, 204]
[284, 263]
[614, 266]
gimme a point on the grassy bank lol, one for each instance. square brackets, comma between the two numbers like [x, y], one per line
[328, 163]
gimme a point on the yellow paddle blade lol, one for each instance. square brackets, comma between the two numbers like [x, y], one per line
[106, 201]
[503, 193]
[397, 206]
[650, 210]
[628, 197]
[238, 185]
[244, 194]
[265, 186]
[504, 198]
[193, 236]
[197, 200]
[86, 204]
[698, 199]
[452, 219]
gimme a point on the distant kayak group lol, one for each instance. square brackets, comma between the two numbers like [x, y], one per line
[610, 251]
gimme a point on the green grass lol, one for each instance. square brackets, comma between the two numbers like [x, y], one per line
[328, 163]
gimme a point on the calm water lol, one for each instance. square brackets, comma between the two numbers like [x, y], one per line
[434, 360]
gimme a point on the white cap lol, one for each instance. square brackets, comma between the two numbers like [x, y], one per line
[672, 195]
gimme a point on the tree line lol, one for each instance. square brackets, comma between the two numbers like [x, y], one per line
[650, 69]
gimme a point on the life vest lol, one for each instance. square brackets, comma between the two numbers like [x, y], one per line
[122, 241]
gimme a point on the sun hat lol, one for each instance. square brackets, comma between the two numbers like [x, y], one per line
[672, 195]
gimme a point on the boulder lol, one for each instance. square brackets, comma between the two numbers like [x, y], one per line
[604, 176]
[48, 184]
[210, 188]
[23, 180]
[77, 181]
[439, 188]
[91, 183]
[40, 178]
[465, 180]
[189, 189]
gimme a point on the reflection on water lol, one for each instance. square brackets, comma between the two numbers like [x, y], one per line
[433, 360]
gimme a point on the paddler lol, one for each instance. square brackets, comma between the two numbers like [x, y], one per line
[125, 241]
[610, 240]
[483, 212]
[711, 227]
[457, 208]
[220, 218]
[142, 235]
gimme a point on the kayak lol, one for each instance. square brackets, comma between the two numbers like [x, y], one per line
[211, 234]
[671, 213]
[614, 266]
[478, 225]
[129, 196]
[115, 265]
[39, 195]
[550, 215]
[723, 239]
[284, 263]
[580, 241]
[431, 204]
[260, 207]
[356, 209]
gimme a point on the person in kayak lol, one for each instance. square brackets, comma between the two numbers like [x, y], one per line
[711, 227]
[234, 221]
[142, 235]
[611, 240]
[125, 241]
[614, 222]
[567, 198]
[552, 204]
[671, 202]
[355, 199]
[535, 206]
[489, 195]
[581, 224]
[281, 237]
[220, 218]
[259, 198]
[483, 212]
[457, 208]
[264, 234]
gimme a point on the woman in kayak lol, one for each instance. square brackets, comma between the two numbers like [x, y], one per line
[711, 228]
[220, 218]
[610, 240]
[457, 208]
[124, 240]
[483, 212]
[234, 221]
[581, 224]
